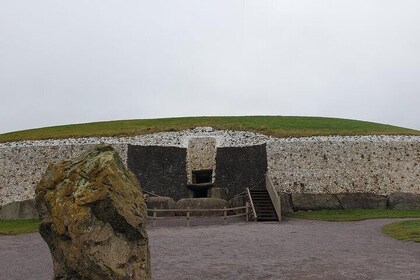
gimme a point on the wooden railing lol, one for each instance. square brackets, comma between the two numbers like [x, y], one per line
[275, 198]
[188, 211]
[254, 213]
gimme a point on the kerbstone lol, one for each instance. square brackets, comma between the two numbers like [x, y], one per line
[202, 203]
[306, 201]
[404, 201]
[362, 201]
[19, 210]
[161, 202]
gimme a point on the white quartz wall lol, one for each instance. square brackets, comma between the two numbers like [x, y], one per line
[380, 165]
[375, 164]
[21, 167]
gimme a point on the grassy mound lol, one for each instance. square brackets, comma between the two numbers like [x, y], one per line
[18, 227]
[354, 215]
[278, 126]
[406, 230]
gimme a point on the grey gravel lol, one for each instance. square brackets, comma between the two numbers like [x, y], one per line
[293, 249]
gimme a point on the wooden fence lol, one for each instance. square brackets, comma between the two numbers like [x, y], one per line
[225, 211]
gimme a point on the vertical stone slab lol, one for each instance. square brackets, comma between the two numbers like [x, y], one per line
[238, 168]
[162, 170]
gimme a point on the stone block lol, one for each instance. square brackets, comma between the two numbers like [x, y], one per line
[201, 203]
[238, 201]
[221, 193]
[404, 201]
[307, 201]
[285, 203]
[362, 201]
[19, 210]
[161, 202]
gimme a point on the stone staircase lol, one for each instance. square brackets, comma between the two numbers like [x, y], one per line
[263, 206]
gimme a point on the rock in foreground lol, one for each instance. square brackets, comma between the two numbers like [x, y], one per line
[93, 218]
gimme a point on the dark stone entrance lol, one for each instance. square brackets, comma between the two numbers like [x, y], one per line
[202, 182]
[238, 168]
[160, 170]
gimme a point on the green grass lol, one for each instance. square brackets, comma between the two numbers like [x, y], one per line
[18, 226]
[406, 230]
[278, 126]
[354, 215]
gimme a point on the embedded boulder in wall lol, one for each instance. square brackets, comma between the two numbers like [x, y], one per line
[19, 210]
[308, 201]
[362, 201]
[404, 201]
[93, 218]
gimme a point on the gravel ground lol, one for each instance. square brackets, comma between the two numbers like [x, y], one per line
[293, 249]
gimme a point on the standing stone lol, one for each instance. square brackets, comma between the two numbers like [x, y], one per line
[93, 218]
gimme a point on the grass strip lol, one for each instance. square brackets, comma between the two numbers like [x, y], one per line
[405, 230]
[13, 227]
[354, 215]
[278, 126]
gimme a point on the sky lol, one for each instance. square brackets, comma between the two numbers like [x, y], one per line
[64, 62]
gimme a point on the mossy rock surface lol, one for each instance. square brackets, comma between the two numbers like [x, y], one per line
[93, 218]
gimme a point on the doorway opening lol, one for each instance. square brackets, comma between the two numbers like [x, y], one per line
[202, 176]
[201, 183]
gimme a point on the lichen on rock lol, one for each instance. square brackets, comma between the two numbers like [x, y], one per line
[93, 218]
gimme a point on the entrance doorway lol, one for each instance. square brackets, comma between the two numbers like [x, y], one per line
[202, 182]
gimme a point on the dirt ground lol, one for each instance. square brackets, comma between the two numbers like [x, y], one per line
[293, 249]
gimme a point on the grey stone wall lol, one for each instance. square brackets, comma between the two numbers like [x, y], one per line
[238, 168]
[160, 170]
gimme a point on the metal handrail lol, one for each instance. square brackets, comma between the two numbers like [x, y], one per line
[252, 204]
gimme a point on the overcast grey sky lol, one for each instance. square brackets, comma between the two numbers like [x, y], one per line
[79, 61]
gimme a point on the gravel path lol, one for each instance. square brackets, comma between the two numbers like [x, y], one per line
[294, 249]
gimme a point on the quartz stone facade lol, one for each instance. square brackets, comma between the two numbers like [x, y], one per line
[359, 164]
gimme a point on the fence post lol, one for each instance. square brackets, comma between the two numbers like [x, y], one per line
[188, 217]
[225, 215]
[247, 211]
[154, 216]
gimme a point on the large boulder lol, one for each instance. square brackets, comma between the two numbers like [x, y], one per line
[222, 193]
[201, 203]
[362, 201]
[19, 210]
[404, 201]
[307, 201]
[238, 201]
[93, 218]
[160, 202]
[285, 203]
